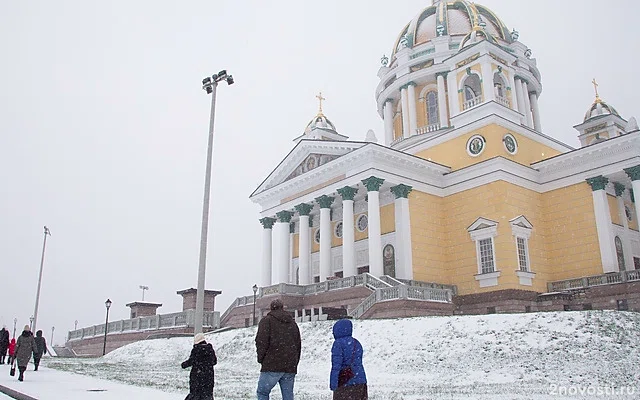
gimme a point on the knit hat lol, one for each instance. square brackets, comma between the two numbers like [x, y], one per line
[27, 328]
[199, 338]
[277, 305]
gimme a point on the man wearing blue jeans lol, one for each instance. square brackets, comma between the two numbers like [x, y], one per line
[278, 346]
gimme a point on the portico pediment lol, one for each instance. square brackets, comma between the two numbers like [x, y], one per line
[306, 156]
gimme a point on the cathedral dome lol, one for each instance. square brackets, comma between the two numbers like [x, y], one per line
[320, 121]
[453, 18]
[598, 108]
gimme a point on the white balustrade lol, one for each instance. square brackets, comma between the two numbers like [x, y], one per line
[471, 103]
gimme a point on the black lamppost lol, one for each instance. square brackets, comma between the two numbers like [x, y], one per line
[76, 326]
[15, 321]
[106, 326]
[255, 293]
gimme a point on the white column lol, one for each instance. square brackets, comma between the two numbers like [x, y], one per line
[452, 91]
[292, 273]
[281, 246]
[533, 99]
[413, 113]
[304, 244]
[442, 101]
[404, 268]
[375, 239]
[265, 273]
[514, 93]
[634, 174]
[527, 105]
[603, 224]
[388, 121]
[487, 82]
[325, 236]
[626, 243]
[348, 232]
[406, 127]
[520, 100]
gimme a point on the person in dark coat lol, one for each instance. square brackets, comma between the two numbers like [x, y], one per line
[42, 349]
[347, 351]
[278, 346]
[201, 361]
[4, 343]
[25, 346]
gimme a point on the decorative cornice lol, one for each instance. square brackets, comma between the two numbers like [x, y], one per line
[284, 216]
[304, 209]
[325, 201]
[372, 183]
[619, 188]
[267, 222]
[633, 173]
[347, 192]
[401, 191]
[598, 182]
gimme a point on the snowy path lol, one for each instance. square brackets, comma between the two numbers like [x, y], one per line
[49, 384]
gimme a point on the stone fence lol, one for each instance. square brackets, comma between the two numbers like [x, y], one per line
[184, 319]
[596, 280]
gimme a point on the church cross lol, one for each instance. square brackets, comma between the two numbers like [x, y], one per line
[595, 87]
[320, 98]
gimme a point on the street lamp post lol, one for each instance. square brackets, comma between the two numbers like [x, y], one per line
[209, 84]
[106, 326]
[15, 321]
[75, 328]
[143, 287]
[255, 293]
[31, 323]
[53, 328]
[47, 232]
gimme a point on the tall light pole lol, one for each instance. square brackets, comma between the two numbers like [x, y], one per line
[47, 232]
[255, 293]
[106, 327]
[209, 84]
[143, 289]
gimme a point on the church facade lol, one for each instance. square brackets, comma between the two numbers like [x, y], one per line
[464, 191]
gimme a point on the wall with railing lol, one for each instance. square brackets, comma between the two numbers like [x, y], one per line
[184, 319]
[597, 280]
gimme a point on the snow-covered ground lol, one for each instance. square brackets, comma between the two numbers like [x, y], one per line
[495, 357]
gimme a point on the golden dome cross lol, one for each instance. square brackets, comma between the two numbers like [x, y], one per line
[320, 98]
[595, 87]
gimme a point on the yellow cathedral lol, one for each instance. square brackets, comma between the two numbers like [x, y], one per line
[465, 206]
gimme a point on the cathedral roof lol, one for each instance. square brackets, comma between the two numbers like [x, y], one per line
[320, 121]
[599, 108]
[458, 17]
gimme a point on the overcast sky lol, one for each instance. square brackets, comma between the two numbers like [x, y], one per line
[103, 128]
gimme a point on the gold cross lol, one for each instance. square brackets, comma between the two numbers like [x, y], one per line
[320, 98]
[595, 86]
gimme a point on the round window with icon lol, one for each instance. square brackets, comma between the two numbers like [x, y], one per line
[476, 145]
[510, 143]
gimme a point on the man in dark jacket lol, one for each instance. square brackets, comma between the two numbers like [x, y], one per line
[201, 361]
[42, 349]
[278, 346]
[4, 344]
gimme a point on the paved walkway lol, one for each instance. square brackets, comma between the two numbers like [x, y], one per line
[49, 384]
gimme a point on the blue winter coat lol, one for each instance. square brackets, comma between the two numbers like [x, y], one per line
[342, 352]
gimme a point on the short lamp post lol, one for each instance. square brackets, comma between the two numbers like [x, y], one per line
[255, 294]
[53, 328]
[31, 322]
[75, 328]
[106, 327]
[15, 321]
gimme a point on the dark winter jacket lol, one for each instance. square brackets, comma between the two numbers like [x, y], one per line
[342, 353]
[201, 361]
[278, 343]
[4, 341]
[25, 346]
[41, 343]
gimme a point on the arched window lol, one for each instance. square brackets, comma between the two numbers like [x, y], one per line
[472, 91]
[431, 103]
[620, 254]
[499, 86]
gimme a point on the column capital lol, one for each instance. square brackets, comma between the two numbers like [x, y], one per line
[598, 182]
[347, 192]
[633, 172]
[619, 188]
[267, 222]
[388, 100]
[401, 191]
[324, 201]
[373, 183]
[442, 74]
[303, 209]
[406, 85]
[284, 216]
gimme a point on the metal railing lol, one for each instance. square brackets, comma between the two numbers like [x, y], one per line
[596, 280]
[155, 322]
[401, 292]
[471, 102]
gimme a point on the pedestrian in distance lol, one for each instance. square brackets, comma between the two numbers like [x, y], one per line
[25, 346]
[348, 380]
[12, 350]
[278, 346]
[201, 361]
[4, 343]
[41, 343]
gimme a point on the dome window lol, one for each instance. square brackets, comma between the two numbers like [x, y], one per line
[472, 91]
[432, 107]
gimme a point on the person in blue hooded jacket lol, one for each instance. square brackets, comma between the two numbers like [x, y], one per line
[347, 351]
